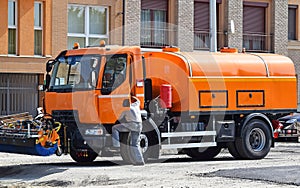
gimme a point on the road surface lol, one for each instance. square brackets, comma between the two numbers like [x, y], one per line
[281, 168]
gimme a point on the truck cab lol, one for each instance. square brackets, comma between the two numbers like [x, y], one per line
[86, 89]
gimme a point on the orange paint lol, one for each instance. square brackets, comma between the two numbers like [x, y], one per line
[201, 82]
[204, 81]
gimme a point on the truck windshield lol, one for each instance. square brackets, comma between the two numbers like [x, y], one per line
[75, 72]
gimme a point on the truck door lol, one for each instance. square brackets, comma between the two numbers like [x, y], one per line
[115, 87]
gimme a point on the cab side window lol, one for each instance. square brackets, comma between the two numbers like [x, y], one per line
[114, 72]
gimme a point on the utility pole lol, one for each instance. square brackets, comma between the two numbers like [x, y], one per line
[123, 23]
[213, 25]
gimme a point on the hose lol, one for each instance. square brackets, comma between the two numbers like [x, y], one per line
[58, 127]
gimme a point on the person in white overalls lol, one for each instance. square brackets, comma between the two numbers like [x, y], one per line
[133, 125]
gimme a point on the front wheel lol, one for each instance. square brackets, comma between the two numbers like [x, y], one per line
[255, 141]
[83, 156]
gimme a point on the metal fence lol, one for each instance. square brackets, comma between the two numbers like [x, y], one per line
[158, 37]
[18, 93]
[202, 40]
[258, 42]
[252, 42]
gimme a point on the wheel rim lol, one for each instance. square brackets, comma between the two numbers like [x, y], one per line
[257, 139]
[144, 143]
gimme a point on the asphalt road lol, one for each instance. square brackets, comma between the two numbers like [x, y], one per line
[281, 168]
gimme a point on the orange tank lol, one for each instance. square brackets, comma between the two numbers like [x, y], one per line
[203, 81]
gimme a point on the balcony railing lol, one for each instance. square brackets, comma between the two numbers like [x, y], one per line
[158, 37]
[202, 40]
[258, 42]
[163, 36]
[252, 42]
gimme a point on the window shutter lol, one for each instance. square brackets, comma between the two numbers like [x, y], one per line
[155, 4]
[254, 19]
[201, 16]
[292, 22]
[207, 1]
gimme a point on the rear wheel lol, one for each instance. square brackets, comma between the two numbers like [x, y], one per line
[255, 141]
[233, 150]
[203, 153]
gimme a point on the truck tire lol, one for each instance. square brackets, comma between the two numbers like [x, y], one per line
[255, 141]
[149, 143]
[125, 148]
[233, 150]
[203, 153]
[150, 140]
[87, 156]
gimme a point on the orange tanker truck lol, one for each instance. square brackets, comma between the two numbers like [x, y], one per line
[196, 102]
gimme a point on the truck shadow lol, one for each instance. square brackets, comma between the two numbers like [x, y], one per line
[28, 171]
[113, 163]
[38, 170]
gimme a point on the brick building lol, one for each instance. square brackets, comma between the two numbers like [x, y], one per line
[35, 30]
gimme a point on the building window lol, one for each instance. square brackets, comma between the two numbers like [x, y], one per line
[87, 25]
[255, 37]
[292, 22]
[12, 27]
[154, 27]
[38, 29]
[201, 25]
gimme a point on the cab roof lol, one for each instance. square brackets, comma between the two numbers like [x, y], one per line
[107, 50]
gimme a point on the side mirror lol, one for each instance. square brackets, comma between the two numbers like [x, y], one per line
[49, 65]
[48, 78]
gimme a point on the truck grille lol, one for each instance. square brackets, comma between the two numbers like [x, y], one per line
[67, 117]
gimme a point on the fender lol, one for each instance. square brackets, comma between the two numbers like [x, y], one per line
[261, 117]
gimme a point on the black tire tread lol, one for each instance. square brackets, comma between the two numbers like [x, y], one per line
[241, 143]
[233, 150]
[153, 148]
[86, 159]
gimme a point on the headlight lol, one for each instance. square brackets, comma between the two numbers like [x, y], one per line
[291, 121]
[94, 132]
